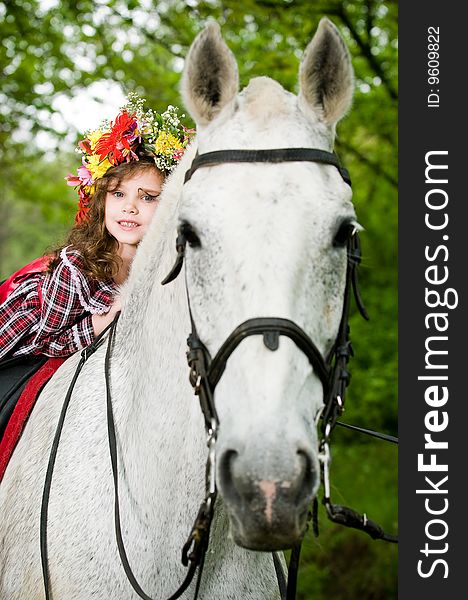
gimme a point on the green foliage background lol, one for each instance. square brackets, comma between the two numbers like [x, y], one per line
[52, 48]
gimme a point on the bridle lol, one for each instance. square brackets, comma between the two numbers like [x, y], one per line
[205, 373]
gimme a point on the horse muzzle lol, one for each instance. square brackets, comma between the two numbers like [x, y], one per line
[268, 513]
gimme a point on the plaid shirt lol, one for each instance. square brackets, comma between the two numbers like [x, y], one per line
[61, 324]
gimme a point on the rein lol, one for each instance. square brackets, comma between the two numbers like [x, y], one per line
[206, 372]
[85, 354]
[196, 556]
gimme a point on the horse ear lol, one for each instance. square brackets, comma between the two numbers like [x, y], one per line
[326, 74]
[210, 79]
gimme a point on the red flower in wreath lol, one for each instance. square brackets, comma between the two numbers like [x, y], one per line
[116, 145]
[83, 206]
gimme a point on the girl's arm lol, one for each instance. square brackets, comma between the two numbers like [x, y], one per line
[18, 316]
[65, 327]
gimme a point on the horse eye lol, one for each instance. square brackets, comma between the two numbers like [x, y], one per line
[190, 235]
[343, 234]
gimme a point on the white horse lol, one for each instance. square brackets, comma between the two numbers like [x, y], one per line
[261, 245]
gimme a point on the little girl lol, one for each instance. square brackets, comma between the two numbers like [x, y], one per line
[62, 306]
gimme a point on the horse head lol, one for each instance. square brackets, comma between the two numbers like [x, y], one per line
[267, 240]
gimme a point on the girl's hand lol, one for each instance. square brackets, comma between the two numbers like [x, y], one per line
[116, 306]
[100, 322]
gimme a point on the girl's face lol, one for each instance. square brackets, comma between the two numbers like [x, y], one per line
[130, 206]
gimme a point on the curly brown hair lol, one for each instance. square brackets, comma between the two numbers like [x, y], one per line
[91, 238]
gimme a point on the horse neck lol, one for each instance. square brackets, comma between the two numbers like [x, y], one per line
[153, 402]
[154, 323]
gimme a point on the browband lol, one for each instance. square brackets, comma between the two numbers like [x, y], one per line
[275, 155]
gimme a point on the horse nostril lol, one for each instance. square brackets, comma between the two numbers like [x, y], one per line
[226, 476]
[307, 478]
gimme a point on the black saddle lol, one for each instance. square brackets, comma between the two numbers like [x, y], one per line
[14, 375]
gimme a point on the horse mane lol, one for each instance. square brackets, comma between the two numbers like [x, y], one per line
[264, 99]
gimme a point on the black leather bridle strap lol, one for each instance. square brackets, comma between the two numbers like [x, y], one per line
[276, 155]
[340, 377]
[342, 349]
[48, 482]
[280, 576]
[270, 328]
[85, 354]
[354, 258]
[293, 571]
[197, 556]
[115, 475]
[377, 434]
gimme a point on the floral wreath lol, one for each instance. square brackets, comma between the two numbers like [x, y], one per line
[134, 133]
